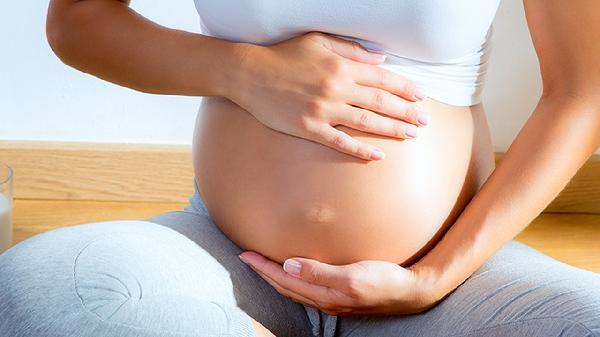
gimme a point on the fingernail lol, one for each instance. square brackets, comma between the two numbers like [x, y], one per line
[243, 259]
[292, 266]
[424, 118]
[382, 57]
[380, 54]
[420, 93]
[411, 131]
[377, 154]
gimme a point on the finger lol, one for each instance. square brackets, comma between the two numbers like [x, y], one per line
[384, 102]
[334, 310]
[368, 121]
[341, 141]
[317, 272]
[349, 49]
[285, 292]
[299, 286]
[386, 79]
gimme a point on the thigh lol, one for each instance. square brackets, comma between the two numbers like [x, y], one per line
[115, 278]
[518, 292]
[251, 293]
[126, 278]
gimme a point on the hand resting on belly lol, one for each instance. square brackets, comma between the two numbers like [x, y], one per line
[285, 196]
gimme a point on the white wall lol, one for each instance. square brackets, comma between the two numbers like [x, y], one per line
[42, 99]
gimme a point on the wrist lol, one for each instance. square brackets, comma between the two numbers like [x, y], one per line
[454, 258]
[430, 283]
[241, 69]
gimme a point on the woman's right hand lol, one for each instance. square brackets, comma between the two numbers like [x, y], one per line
[307, 85]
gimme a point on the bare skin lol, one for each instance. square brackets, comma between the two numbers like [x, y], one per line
[260, 330]
[155, 59]
[560, 135]
[284, 196]
[330, 82]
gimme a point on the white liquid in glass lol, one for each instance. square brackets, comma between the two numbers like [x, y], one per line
[5, 223]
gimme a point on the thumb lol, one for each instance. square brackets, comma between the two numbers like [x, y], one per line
[353, 50]
[316, 272]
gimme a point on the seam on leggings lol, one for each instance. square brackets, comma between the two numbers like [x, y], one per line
[525, 320]
[76, 286]
[227, 315]
[179, 334]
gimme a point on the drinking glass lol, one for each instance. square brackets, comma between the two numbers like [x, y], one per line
[6, 205]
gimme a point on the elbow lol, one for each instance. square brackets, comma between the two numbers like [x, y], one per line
[57, 29]
[579, 101]
[578, 87]
[65, 22]
[55, 41]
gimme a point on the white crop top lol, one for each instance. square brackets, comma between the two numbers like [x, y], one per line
[441, 45]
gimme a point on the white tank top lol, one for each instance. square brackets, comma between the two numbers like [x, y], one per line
[441, 45]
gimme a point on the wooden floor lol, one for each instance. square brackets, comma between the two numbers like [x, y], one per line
[571, 238]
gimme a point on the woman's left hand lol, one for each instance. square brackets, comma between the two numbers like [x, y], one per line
[364, 287]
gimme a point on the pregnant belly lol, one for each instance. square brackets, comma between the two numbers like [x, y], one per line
[285, 196]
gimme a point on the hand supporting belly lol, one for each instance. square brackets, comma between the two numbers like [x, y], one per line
[285, 196]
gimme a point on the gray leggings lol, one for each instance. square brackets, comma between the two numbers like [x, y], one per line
[178, 275]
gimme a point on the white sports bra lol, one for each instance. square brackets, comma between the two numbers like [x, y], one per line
[441, 45]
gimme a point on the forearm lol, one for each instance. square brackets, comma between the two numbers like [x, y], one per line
[109, 40]
[557, 139]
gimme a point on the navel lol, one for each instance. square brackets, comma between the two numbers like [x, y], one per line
[319, 213]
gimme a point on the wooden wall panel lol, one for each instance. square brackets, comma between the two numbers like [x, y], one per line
[99, 171]
[164, 173]
[582, 193]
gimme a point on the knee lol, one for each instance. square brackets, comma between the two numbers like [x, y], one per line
[573, 304]
[76, 273]
[543, 326]
[583, 310]
[58, 249]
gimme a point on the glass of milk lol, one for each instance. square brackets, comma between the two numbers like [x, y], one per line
[6, 203]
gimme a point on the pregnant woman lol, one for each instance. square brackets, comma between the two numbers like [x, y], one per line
[342, 152]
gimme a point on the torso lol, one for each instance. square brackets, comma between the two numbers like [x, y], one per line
[285, 196]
